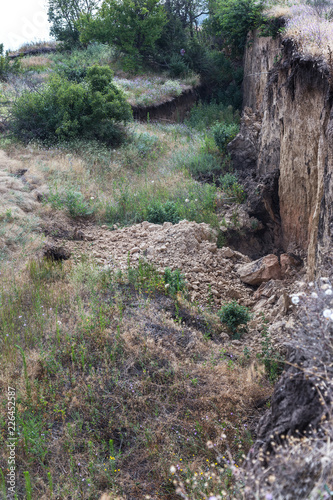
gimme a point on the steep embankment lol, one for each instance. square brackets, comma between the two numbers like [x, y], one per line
[286, 135]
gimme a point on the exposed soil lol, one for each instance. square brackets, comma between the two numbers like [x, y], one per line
[174, 110]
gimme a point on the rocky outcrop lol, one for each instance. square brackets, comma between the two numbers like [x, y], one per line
[287, 127]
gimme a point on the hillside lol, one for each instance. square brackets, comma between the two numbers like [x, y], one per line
[166, 306]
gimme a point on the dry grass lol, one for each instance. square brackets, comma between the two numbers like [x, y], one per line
[310, 28]
[50, 44]
[116, 388]
[34, 63]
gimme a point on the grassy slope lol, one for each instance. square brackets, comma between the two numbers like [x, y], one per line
[115, 381]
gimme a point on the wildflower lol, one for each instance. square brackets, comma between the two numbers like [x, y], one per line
[59, 322]
[187, 200]
[295, 300]
[92, 197]
[327, 313]
[172, 469]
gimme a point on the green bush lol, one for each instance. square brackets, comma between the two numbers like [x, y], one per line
[233, 315]
[178, 67]
[230, 186]
[204, 165]
[64, 110]
[175, 279]
[72, 201]
[77, 205]
[204, 116]
[223, 134]
[7, 66]
[158, 213]
[219, 75]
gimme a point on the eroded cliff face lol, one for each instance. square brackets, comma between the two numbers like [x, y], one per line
[287, 132]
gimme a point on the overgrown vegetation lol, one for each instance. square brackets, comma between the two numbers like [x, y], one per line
[96, 330]
[67, 110]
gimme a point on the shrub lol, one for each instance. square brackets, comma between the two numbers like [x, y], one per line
[65, 110]
[175, 279]
[232, 188]
[73, 73]
[204, 116]
[73, 201]
[77, 205]
[7, 66]
[203, 165]
[178, 67]
[223, 134]
[233, 315]
[158, 213]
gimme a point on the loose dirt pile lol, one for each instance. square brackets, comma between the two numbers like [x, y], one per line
[211, 273]
[188, 246]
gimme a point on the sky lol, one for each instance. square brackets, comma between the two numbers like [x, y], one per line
[23, 21]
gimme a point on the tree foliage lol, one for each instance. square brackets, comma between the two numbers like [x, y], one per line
[64, 110]
[187, 11]
[233, 19]
[133, 26]
[64, 15]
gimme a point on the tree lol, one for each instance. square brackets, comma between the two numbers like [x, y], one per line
[64, 15]
[131, 25]
[187, 11]
[233, 19]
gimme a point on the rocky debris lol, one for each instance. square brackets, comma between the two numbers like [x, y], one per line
[261, 270]
[289, 263]
[210, 271]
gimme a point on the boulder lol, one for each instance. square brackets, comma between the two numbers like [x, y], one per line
[260, 271]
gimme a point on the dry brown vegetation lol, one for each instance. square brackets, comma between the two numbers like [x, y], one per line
[118, 386]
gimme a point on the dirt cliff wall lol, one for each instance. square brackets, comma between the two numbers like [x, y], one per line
[288, 126]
